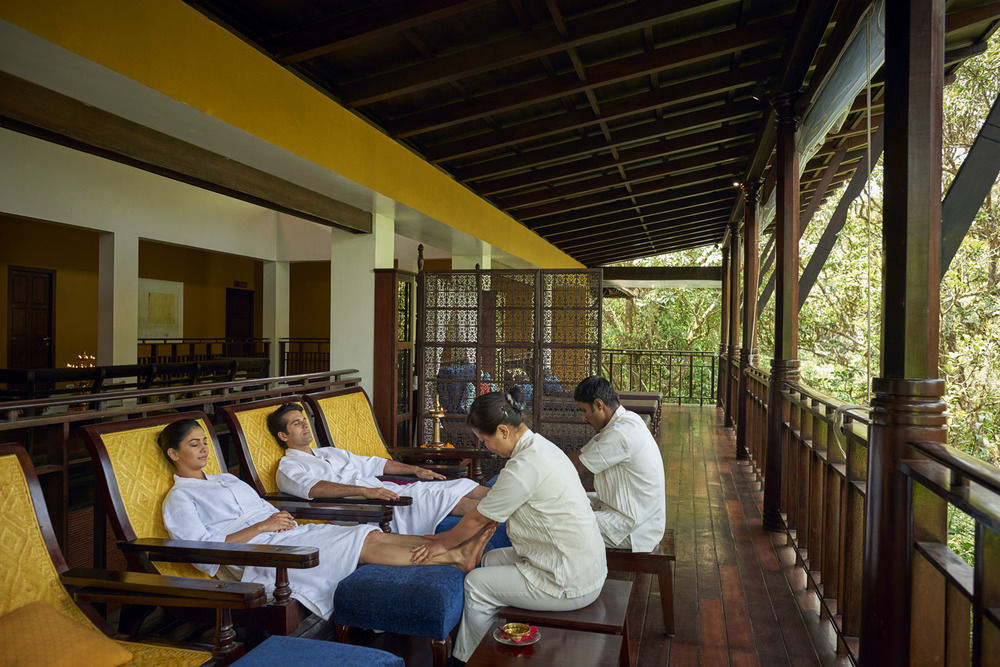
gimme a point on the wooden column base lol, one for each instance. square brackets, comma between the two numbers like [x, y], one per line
[782, 371]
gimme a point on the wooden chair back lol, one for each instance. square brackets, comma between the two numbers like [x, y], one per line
[134, 477]
[33, 561]
[344, 419]
[258, 451]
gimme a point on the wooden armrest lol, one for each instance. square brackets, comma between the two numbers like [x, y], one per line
[223, 553]
[402, 501]
[325, 511]
[444, 454]
[160, 590]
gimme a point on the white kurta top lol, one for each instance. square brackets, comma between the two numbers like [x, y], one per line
[629, 480]
[210, 509]
[549, 520]
[298, 472]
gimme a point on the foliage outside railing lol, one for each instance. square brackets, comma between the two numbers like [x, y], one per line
[824, 479]
[169, 350]
[683, 376]
[304, 355]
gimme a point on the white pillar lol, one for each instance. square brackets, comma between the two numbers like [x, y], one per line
[118, 299]
[353, 258]
[484, 258]
[275, 306]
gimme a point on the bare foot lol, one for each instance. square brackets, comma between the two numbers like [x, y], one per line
[471, 553]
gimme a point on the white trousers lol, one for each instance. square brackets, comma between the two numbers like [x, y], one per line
[498, 583]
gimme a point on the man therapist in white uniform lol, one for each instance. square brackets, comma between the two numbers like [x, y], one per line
[630, 501]
[329, 472]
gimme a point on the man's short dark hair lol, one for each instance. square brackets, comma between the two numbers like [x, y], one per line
[276, 421]
[593, 388]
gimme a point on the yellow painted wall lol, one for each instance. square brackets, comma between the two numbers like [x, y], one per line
[170, 47]
[309, 300]
[206, 276]
[73, 254]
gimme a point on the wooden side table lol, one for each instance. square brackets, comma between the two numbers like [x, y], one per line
[556, 647]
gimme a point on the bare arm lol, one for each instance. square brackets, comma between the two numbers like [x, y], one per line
[335, 490]
[397, 468]
[276, 523]
[577, 463]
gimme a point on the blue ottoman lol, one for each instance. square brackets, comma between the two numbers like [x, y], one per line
[419, 601]
[277, 650]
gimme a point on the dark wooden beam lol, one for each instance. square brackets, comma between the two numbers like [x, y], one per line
[689, 122]
[32, 109]
[692, 196]
[583, 235]
[347, 30]
[971, 186]
[661, 148]
[748, 347]
[620, 251]
[669, 173]
[513, 49]
[663, 273]
[654, 233]
[660, 61]
[963, 19]
[666, 97]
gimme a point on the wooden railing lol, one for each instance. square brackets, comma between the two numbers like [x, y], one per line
[167, 350]
[304, 355]
[954, 609]
[683, 376]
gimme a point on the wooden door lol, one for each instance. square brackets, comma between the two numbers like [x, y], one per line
[239, 321]
[29, 332]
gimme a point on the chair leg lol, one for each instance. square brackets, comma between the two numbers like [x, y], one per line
[441, 650]
[666, 578]
[342, 633]
[625, 658]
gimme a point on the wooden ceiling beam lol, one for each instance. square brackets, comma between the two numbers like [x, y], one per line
[635, 216]
[512, 49]
[574, 234]
[348, 30]
[964, 19]
[637, 176]
[596, 238]
[690, 122]
[636, 249]
[666, 97]
[662, 147]
[649, 187]
[678, 197]
[571, 83]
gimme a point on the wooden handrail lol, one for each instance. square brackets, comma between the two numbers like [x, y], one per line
[967, 466]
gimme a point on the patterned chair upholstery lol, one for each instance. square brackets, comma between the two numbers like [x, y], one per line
[30, 574]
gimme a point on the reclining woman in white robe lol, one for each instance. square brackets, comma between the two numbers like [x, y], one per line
[557, 561]
[222, 508]
[329, 472]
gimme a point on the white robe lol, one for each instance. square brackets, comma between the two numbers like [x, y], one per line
[630, 502]
[298, 472]
[209, 509]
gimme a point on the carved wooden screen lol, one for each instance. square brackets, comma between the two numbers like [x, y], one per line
[489, 330]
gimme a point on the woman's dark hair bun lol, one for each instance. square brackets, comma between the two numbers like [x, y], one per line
[515, 396]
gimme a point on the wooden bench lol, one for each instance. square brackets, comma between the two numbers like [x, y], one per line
[556, 647]
[656, 562]
[605, 615]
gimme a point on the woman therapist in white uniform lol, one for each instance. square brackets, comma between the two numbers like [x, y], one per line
[557, 559]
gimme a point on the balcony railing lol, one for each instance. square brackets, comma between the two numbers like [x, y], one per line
[170, 350]
[304, 355]
[954, 609]
[681, 376]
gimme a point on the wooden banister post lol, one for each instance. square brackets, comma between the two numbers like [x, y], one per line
[733, 361]
[785, 364]
[748, 349]
[906, 399]
[724, 334]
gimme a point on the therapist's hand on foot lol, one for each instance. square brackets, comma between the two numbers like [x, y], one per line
[426, 552]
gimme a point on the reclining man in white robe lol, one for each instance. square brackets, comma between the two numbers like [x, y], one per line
[330, 472]
[630, 499]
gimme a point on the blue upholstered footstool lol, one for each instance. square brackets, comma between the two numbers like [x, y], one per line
[419, 601]
[277, 650]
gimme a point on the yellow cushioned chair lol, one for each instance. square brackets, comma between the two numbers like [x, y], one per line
[35, 571]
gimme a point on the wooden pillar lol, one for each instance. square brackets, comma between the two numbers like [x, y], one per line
[733, 361]
[785, 364]
[751, 260]
[906, 399]
[724, 334]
